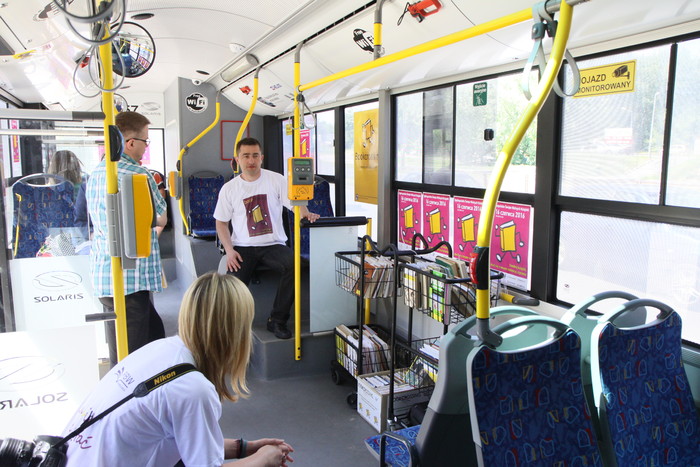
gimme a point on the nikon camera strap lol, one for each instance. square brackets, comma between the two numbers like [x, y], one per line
[141, 390]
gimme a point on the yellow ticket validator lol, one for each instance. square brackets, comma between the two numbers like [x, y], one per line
[138, 215]
[300, 179]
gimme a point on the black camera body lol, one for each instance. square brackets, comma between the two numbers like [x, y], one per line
[39, 453]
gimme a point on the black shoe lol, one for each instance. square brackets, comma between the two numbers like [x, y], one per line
[278, 329]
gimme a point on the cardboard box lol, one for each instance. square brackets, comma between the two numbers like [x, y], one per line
[373, 406]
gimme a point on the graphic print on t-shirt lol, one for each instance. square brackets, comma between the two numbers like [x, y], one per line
[257, 215]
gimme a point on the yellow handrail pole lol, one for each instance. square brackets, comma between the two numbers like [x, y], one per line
[474, 31]
[183, 151]
[504, 158]
[368, 247]
[113, 188]
[244, 125]
[297, 213]
[377, 49]
[16, 244]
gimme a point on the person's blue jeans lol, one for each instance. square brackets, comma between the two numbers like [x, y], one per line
[276, 257]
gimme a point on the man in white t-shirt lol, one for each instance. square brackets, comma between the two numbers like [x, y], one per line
[253, 205]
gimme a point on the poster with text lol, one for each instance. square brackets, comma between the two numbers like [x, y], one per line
[410, 205]
[366, 152]
[465, 225]
[510, 237]
[510, 243]
[436, 220]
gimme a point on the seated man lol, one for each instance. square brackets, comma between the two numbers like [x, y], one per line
[252, 203]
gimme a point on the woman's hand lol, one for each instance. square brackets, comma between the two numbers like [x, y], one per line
[273, 452]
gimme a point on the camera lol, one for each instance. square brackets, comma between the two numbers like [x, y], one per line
[39, 453]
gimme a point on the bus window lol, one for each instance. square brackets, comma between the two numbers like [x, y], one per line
[683, 169]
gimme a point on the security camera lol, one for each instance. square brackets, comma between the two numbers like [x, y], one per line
[196, 81]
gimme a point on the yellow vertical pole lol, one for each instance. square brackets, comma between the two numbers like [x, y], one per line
[481, 254]
[297, 213]
[113, 188]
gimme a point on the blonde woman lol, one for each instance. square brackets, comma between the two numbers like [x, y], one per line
[180, 419]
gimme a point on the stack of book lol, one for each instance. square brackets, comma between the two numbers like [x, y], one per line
[381, 382]
[376, 355]
[431, 349]
[426, 287]
[378, 276]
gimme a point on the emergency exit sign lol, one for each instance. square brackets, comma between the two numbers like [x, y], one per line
[480, 94]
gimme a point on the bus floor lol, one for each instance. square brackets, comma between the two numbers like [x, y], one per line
[307, 411]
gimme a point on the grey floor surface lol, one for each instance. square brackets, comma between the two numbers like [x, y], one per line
[307, 411]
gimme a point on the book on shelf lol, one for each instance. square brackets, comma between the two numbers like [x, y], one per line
[431, 349]
[463, 299]
[384, 352]
[410, 284]
[450, 264]
[382, 386]
[378, 277]
[438, 293]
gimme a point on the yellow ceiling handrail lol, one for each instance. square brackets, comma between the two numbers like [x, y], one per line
[458, 36]
[244, 125]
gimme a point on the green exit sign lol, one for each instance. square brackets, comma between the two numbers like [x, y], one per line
[480, 92]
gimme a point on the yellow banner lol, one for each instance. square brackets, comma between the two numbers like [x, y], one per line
[366, 156]
[607, 79]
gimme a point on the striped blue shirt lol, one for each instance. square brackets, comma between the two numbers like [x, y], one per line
[147, 274]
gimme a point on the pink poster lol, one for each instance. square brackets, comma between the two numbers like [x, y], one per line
[510, 237]
[305, 143]
[436, 219]
[465, 225]
[510, 240]
[14, 124]
[410, 206]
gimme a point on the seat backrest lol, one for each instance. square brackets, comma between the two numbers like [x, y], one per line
[203, 195]
[527, 406]
[646, 408]
[321, 205]
[40, 211]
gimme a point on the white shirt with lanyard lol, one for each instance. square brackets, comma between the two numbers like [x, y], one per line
[177, 420]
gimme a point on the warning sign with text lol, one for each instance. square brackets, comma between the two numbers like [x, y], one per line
[607, 79]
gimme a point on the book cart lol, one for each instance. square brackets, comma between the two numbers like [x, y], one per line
[389, 376]
[369, 273]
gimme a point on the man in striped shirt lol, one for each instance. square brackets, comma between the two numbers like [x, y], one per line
[143, 322]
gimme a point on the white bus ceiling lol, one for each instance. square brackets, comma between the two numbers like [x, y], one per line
[202, 35]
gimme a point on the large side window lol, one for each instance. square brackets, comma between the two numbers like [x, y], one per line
[683, 188]
[647, 259]
[612, 142]
[614, 149]
[438, 115]
[325, 143]
[409, 138]
[483, 107]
